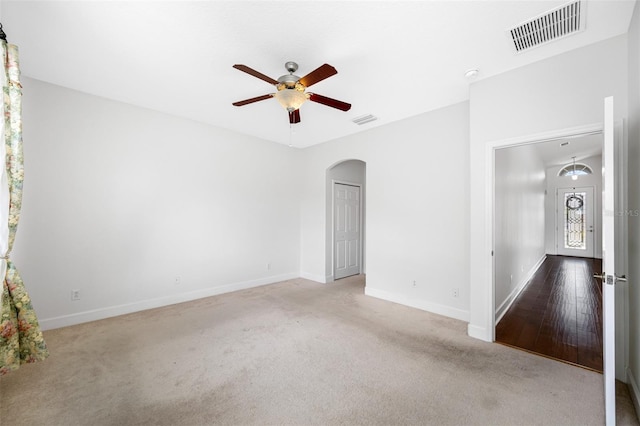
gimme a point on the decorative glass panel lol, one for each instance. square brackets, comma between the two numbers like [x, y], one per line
[575, 231]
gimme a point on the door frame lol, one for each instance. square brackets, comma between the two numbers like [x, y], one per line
[333, 223]
[489, 334]
[489, 236]
[622, 249]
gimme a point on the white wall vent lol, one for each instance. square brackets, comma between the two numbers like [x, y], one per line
[552, 25]
[364, 119]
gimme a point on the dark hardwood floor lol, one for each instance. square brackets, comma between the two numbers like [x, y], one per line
[559, 313]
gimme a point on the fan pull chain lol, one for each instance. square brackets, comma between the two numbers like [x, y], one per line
[290, 135]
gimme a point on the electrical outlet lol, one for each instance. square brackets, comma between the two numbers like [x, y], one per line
[456, 292]
[268, 266]
[75, 295]
[177, 281]
[414, 283]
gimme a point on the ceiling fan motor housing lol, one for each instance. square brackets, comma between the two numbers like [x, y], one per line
[289, 81]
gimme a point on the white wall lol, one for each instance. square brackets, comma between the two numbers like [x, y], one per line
[119, 201]
[417, 208]
[519, 220]
[634, 206]
[350, 171]
[561, 92]
[554, 182]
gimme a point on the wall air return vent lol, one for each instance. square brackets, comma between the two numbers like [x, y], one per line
[364, 119]
[553, 25]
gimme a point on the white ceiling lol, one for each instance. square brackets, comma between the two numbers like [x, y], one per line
[394, 59]
[561, 151]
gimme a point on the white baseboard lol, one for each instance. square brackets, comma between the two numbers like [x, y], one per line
[316, 278]
[506, 304]
[480, 333]
[634, 392]
[113, 311]
[424, 305]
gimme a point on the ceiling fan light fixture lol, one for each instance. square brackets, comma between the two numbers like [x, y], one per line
[291, 89]
[291, 99]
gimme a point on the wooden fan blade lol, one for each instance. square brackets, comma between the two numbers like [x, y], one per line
[294, 116]
[318, 74]
[252, 100]
[255, 73]
[343, 106]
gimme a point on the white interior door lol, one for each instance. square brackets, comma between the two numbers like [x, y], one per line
[575, 224]
[609, 277]
[346, 230]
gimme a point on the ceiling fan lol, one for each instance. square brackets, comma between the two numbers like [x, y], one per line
[291, 89]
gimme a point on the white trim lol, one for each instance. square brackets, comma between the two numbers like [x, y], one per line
[489, 245]
[128, 308]
[480, 333]
[504, 306]
[570, 133]
[316, 278]
[622, 253]
[424, 305]
[634, 392]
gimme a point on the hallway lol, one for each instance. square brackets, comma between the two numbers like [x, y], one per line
[559, 313]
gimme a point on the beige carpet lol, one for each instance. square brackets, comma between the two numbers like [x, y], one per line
[298, 353]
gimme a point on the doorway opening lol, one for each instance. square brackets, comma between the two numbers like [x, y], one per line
[548, 239]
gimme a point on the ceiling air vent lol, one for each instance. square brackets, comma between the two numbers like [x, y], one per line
[364, 119]
[555, 24]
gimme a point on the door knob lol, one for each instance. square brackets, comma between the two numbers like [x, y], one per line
[606, 279]
[609, 279]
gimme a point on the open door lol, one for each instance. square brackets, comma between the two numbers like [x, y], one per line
[609, 276]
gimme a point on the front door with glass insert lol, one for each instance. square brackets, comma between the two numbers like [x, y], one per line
[575, 233]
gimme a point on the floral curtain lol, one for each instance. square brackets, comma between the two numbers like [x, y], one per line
[21, 339]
